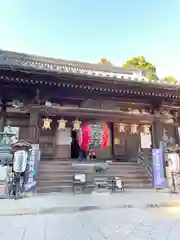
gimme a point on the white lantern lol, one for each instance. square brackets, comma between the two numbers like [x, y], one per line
[62, 124]
[146, 129]
[47, 123]
[76, 125]
[122, 127]
[134, 129]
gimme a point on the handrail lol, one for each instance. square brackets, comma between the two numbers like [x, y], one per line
[145, 165]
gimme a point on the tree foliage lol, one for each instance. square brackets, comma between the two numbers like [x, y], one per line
[105, 61]
[141, 63]
[149, 70]
[170, 79]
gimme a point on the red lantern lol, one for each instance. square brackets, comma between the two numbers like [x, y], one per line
[93, 137]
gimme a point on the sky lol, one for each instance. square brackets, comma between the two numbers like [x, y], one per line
[86, 30]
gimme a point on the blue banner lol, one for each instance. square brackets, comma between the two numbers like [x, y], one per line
[34, 159]
[158, 168]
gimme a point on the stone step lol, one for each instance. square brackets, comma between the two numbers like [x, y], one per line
[70, 181]
[68, 188]
[56, 176]
[90, 165]
[86, 162]
[52, 176]
[69, 171]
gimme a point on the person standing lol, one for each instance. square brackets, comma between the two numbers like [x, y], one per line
[80, 158]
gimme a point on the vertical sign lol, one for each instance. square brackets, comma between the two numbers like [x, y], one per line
[158, 168]
[34, 158]
[3, 181]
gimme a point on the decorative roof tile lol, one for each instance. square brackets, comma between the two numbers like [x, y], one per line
[10, 59]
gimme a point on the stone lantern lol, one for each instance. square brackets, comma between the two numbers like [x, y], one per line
[6, 154]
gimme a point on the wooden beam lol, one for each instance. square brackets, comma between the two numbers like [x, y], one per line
[97, 113]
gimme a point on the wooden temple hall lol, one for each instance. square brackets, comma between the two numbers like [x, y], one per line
[46, 100]
[34, 89]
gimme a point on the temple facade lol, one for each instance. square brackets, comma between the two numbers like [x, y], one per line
[46, 100]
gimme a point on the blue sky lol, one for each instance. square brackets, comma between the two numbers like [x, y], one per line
[87, 30]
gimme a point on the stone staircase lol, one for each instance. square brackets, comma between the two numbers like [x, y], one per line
[54, 176]
[57, 175]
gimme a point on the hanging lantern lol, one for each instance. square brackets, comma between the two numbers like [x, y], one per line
[146, 129]
[93, 137]
[76, 125]
[62, 124]
[122, 127]
[134, 129]
[47, 123]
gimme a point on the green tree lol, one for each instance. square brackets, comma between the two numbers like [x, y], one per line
[105, 61]
[141, 63]
[170, 79]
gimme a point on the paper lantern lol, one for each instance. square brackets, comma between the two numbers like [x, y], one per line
[62, 124]
[47, 123]
[122, 127]
[134, 129]
[146, 129]
[93, 137]
[76, 125]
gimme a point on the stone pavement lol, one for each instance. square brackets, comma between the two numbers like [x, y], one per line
[119, 224]
[69, 203]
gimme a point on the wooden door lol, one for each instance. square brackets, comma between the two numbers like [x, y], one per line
[119, 143]
[133, 145]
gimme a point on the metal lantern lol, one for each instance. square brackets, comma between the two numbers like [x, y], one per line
[47, 123]
[146, 129]
[122, 127]
[62, 124]
[134, 129]
[76, 125]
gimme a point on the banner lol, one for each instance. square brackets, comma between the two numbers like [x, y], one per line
[31, 177]
[3, 182]
[158, 168]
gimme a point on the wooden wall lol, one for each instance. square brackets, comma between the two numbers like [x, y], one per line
[126, 145]
[21, 121]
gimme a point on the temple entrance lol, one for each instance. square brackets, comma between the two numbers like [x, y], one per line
[74, 145]
[119, 144]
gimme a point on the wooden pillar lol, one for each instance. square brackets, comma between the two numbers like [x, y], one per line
[176, 132]
[2, 117]
[157, 133]
[34, 126]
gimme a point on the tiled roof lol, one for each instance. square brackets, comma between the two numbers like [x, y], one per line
[14, 60]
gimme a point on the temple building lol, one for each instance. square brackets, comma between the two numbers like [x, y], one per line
[46, 101]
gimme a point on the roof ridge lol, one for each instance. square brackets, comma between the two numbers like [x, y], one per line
[73, 63]
[10, 60]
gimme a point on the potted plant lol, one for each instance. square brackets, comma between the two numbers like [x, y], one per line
[100, 167]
